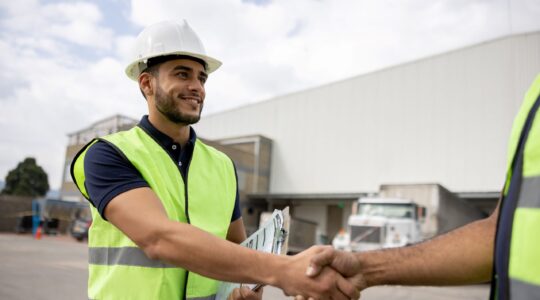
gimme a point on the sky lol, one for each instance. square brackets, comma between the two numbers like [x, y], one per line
[62, 62]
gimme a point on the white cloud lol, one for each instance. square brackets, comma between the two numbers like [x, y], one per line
[284, 46]
[62, 67]
[75, 22]
[52, 89]
[123, 47]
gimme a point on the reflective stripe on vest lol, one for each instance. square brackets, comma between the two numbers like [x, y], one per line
[127, 256]
[517, 253]
[530, 193]
[118, 269]
[523, 291]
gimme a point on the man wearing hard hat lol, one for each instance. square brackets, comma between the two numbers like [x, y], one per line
[163, 202]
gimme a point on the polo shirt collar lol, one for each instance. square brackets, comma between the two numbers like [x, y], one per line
[164, 140]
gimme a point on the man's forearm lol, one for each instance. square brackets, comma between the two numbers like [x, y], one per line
[463, 256]
[194, 249]
[182, 244]
[222, 260]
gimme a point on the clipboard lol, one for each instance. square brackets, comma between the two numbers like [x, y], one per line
[271, 237]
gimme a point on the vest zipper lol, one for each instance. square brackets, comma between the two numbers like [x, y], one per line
[186, 206]
[185, 179]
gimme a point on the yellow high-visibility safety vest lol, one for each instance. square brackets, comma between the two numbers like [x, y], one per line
[517, 245]
[118, 269]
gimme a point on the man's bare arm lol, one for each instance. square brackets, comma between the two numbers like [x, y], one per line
[462, 256]
[141, 216]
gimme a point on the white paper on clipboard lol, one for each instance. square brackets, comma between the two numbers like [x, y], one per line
[271, 237]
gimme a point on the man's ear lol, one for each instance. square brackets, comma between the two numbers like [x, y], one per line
[145, 84]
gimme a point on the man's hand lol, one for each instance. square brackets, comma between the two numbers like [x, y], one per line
[327, 285]
[345, 263]
[245, 293]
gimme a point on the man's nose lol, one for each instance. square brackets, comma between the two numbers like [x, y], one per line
[196, 85]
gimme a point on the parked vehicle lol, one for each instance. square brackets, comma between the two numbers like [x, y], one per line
[79, 229]
[444, 210]
[381, 223]
[24, 224]
[403, 214]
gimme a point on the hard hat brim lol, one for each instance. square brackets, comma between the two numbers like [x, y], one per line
[134, 69]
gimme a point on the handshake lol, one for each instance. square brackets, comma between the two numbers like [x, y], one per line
[459, 257]
[319, 273]
[330, 274]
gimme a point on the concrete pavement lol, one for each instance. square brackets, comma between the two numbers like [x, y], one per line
[55, 267]
[50, 268]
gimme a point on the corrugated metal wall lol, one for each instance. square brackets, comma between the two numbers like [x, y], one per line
[443, 119]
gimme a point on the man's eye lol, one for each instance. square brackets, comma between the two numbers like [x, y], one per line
[203, 80]
[182, 75]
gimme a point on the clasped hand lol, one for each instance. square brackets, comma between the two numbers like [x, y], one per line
[321, 273]
[342, 268]
[318, 273]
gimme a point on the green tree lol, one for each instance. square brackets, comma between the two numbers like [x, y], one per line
[27, 179]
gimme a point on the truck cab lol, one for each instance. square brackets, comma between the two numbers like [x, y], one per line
[381, 223]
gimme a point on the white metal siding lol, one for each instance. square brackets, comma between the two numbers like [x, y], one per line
[443, 119]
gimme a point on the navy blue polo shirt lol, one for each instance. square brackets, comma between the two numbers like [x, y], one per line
[108, 174]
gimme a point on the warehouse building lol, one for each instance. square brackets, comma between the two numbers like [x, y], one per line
[444, 119]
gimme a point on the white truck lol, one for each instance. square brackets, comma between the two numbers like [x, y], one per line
[381, 223]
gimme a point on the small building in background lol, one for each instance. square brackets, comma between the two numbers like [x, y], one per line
[77, 140]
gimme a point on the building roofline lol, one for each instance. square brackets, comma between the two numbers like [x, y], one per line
[101, 121]
[381, 70]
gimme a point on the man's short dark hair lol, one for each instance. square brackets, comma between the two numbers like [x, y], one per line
[161, 59]
[152, 65]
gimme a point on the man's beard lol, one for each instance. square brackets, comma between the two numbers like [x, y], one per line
[166, 105]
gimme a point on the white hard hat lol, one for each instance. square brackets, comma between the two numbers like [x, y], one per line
[164, 39]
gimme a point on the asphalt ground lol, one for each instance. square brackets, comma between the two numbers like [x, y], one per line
[55, 267]
[50, 268]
